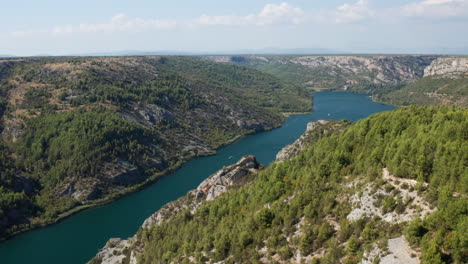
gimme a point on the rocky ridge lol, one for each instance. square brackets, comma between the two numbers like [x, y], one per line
[387, 69]
[314, 131]
[212, 187]
[117, 250]
[337, 71]
[445, 82]
[452, 67]
[297, 146]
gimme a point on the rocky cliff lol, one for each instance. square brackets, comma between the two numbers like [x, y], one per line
[117, 251]
[373, 69]
[220, 182]
[452, 67]
[445, 82]
[358, 73]
[314, 131]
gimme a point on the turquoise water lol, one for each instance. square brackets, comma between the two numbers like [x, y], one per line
[78, 238]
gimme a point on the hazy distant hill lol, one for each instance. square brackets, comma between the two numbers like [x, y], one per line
[394, 79]
[445, 81]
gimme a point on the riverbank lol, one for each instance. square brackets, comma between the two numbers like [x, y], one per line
[41, 223]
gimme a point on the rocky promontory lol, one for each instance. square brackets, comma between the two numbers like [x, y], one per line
[314, 131]
[212, 187]
[117, 250]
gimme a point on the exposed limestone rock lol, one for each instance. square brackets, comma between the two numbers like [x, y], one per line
[12, 130]
[399, 252]
[293, 149]
[83, 189]
[123, 173]
[344, 71]
[148, 115]
[454, 67]
[364, 204]
[116, 250]
[388, 69]
[212, 187]
[314, 131]
[250, 125]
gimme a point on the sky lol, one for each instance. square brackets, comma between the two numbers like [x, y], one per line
[58, 27]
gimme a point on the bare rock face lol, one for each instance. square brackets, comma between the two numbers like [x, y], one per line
[293, 149]
[219, 182]
[12, 130]
[116, 249]
[148, 115]
[123, 173]
[212, 187]
[399, 252]
[387, 69]
[83, 189]
[453, 67]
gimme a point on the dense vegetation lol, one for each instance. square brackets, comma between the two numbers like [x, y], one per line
[429, 91]
[295, 205]
[73, 127]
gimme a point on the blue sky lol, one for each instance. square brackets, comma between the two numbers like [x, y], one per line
[363, 26]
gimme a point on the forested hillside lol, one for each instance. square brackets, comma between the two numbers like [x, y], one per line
[80, 131]
[348, 196]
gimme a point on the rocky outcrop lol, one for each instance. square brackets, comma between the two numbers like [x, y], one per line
[83, 189]
[398, 252]
[314, 131]
[386, 69]
[453, 67]
[293, 149]
[368, 203]
[148, 115]
[117, 250]
[215, 185]
[338, 71]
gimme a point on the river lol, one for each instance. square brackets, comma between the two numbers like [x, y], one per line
[78, 238]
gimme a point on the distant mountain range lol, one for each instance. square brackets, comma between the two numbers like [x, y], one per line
[246, 51]
[263, 51]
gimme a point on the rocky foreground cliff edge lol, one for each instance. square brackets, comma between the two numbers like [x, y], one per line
[123, 251]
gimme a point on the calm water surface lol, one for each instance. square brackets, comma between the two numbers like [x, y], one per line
[78, 238]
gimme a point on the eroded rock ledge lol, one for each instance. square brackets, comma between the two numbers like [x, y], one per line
[453, 67]
[314, 131]
[119, 251]
[215, 185]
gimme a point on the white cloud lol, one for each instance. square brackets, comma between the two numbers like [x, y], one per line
[119, 22]
[352, 12]
[271, 14]
[282, 13]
